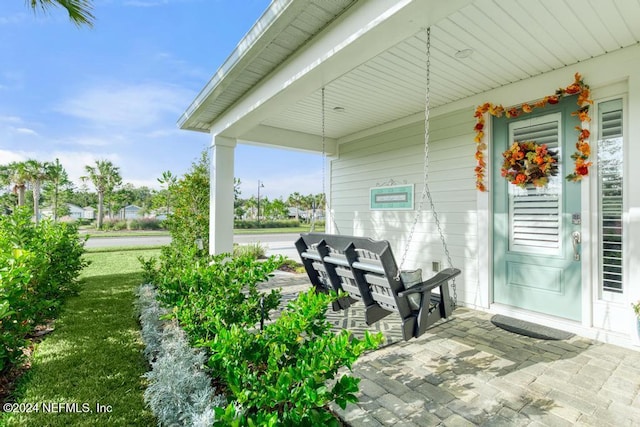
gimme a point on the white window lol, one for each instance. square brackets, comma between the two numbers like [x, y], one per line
[534, 213]
[610, 194]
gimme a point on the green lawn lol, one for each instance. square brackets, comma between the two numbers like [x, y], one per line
[94, 356]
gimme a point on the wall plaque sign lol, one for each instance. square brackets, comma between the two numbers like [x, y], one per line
[394, 197]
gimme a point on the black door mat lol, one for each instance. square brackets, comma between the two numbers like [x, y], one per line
[529, 329]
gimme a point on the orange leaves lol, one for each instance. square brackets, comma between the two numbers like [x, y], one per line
[529, 163]
[584, 133]
[542, 102]
[583, 152]
[553, 99]
[585, 96]
[572, 89]
[583, 113]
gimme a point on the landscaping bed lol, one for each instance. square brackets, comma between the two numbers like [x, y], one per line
[282, 371]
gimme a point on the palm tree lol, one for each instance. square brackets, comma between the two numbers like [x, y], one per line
[5, 178]
[80, 11]
[170, 180]
[17, 175]
[295, 199]
[105, 177]
[58, 180]
[36, 173]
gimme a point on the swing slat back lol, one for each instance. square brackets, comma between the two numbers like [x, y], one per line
[368, 271]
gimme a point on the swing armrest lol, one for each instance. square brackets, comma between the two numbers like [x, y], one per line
[311, 255]
[439, 279]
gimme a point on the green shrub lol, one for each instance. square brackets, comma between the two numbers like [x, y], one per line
[189, 220]
[145, 224]
[266, 223]
[217, 292]
[39, 266]
[114, 224]
[282, 375]
[253, 250]
[16, 309]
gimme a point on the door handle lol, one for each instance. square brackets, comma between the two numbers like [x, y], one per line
[576, 239]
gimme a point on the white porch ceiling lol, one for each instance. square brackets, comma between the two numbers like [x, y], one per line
[511, 41]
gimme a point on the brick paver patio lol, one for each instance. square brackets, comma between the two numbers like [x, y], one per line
[468, 372]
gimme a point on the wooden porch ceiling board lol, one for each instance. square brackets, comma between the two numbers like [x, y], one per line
[511, 40]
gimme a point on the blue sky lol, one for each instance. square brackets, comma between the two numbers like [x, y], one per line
[116, 91]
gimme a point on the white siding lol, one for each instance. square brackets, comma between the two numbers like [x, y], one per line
[398, 155]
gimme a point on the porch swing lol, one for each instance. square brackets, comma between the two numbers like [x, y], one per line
[366, 269]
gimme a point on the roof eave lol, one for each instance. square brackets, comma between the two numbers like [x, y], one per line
[277, 16]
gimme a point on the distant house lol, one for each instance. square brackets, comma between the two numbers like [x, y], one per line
[294, 212]
[88, 212]
[75, 211]
[130, 212]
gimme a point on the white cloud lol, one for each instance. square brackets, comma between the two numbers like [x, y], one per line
[91, 141]
[7, 156]
[127, 106]
[151, 183]
[10, 119]
[26, 131]
[276, 186]
[74, 162]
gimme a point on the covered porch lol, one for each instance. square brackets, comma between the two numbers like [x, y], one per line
[370, 59]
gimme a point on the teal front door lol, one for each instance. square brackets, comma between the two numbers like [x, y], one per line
[536, 242]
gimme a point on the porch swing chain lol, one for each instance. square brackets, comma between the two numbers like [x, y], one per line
[324, 167]
[426, 193]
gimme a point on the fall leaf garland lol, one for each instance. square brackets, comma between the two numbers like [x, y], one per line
[583, 150]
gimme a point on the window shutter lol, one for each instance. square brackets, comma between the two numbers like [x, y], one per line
[610, 167]
[535, 214]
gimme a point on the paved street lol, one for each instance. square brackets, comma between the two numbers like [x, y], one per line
[276, 243]
[105, 242]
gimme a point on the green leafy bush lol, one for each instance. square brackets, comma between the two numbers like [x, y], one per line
[39, 266]
[114, 225]
[189, 220]
[281, 375]
[15, 305]
[216, 292]
[145, 224]
[253, 250]
[267, 223]
[280, 372]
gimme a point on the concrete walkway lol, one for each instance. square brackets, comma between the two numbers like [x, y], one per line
[468, 372]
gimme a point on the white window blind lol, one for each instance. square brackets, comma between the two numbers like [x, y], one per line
[534, 214]
[610, 188]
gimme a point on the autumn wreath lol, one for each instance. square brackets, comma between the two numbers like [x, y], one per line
[529, 163]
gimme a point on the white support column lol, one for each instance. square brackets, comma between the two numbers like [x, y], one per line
[221, 195]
